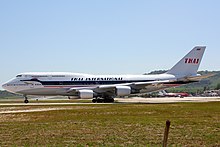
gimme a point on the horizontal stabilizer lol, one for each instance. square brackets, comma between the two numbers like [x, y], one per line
[198, 78]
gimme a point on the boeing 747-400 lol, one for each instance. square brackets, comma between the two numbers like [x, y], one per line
[104, 88]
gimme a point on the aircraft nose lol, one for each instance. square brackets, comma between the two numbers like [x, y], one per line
[4, 86]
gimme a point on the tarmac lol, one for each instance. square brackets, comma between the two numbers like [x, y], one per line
[169, 100]
[134, 100]
[12, 106]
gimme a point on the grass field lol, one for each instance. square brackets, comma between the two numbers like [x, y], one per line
[192, 124]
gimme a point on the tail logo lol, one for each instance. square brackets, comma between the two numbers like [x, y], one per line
[191, 60]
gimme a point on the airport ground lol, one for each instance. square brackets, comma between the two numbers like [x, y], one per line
[128, 122]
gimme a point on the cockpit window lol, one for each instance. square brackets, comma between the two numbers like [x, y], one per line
[18, 76]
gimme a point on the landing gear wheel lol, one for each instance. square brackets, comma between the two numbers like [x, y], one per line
[112, 100]
[109, 100]
[100, 100]
[26, 101]
[94, 100]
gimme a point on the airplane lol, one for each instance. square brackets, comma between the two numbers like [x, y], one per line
[104, 88]
[163, 93]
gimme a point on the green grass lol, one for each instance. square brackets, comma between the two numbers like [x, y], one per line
[192, 124]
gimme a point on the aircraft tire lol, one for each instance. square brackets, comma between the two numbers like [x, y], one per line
[26, 101]
[103, 100]
[94, 100]
[112, 101]
[109, 100]
[100, 100]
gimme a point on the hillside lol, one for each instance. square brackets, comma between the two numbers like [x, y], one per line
[6, 94]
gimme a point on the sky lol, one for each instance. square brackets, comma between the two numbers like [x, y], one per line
[105, 37]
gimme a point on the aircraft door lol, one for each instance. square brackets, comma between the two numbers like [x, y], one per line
[32, 85]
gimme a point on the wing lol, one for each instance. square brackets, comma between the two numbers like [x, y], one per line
[136, 87]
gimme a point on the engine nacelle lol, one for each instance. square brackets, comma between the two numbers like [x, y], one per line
[86, 94]
[73, 97]
[123, 90]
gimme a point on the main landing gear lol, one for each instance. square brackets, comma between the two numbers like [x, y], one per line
[26, 99]
[103, 100]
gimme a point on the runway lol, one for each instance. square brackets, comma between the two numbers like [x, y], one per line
[12, 107]
[169, 100]
[164, 100]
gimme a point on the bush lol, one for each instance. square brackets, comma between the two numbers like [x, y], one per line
[218, 86]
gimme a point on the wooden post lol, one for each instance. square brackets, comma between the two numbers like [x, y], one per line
[166, 132]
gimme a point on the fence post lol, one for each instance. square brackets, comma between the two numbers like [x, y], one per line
[166, 132]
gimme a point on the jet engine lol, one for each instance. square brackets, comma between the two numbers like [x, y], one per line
[86, 94]
[123, 90]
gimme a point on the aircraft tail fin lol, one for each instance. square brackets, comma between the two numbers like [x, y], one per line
[189, 64]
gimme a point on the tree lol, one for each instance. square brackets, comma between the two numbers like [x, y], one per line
[218, 86]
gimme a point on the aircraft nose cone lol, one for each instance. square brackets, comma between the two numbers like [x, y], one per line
[4, 86]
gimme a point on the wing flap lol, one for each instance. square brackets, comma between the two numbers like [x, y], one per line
[135, 85]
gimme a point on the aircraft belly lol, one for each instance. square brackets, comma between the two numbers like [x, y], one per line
[45, 91]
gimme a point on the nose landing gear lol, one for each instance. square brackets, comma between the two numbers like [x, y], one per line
[26, 99]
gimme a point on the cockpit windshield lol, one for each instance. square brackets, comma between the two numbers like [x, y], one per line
[18, 76]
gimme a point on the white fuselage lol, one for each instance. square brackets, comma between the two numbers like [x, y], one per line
[58, 83]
